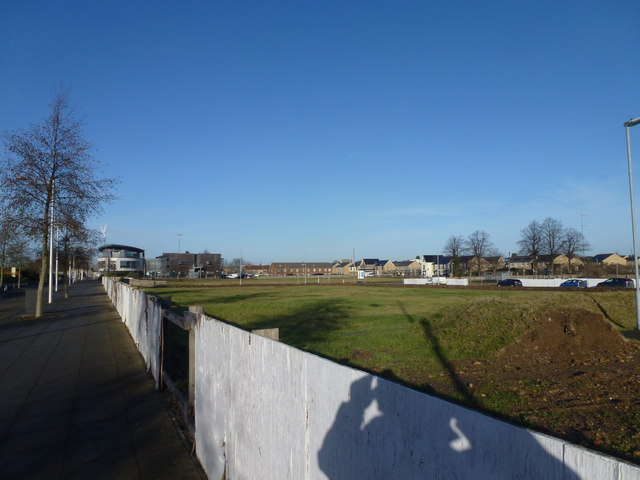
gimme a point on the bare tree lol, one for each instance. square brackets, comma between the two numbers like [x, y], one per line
[573, 242]
[454, 248]
[13, 245]
[478, 244]
[552, 238]
[235, 265]
[49, 178]
[531, 239]
[77, 247]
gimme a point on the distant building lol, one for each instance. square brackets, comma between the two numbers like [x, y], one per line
[435, 265]
[155, 267]
[611, 259]
[256, 270]
[408, 268]
[367, 264]
[343, 267]
[186, 265]
[121, 259]
[301, 268]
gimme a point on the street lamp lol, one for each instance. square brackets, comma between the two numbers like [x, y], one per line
[627, 125]
[51, 225]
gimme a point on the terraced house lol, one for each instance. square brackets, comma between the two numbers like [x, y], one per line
[301, 268]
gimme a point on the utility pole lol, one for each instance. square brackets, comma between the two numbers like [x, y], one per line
[179, 237]
[582, 215]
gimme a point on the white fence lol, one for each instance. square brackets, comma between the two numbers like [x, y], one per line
[141, 313]
[555, 282]
[436, 281]
[526, 282]
[267, 410]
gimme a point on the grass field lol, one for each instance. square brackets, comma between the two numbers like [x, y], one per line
[454, 343]
[407, 330]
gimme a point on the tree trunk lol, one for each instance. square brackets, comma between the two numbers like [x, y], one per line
[44, 253]
[4, 248]
[43, 274]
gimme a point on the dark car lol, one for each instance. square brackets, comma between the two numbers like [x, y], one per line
[574, 282]
[510, 282]
[617, 283]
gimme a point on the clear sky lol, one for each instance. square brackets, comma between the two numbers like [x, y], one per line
[293, 130]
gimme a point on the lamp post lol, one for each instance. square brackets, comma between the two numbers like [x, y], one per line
[53, 199]
[627, 125]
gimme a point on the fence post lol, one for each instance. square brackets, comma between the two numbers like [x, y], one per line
[272, 333]
[198, 310]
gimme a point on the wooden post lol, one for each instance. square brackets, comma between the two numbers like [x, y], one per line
[199, 310]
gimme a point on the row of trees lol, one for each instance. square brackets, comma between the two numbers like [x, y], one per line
[48, 190]
[478, 245]
[548, 237]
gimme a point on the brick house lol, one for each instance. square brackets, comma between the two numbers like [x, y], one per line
[183, 265]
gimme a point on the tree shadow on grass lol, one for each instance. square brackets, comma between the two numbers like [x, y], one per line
[214, 300]
[308, 325]
[447, 365]
[237, 298]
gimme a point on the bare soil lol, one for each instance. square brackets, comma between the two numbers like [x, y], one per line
[573, 377]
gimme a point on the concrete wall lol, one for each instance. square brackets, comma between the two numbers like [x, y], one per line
[141, 313]
[266, 410]
[436, 281]
[555, 282]
[526, 282]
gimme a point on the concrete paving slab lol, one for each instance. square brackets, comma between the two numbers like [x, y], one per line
[76, 400]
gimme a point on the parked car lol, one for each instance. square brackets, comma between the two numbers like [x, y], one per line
[510, 282]
[617, 283]
[574, 282]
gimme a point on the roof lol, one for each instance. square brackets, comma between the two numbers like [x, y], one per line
[521, 259]
[437, 259]
[343, 264]
[601, 256]
[115, 246]
[370, 261]
[403, 263]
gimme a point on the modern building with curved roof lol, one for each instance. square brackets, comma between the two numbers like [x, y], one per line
[120, 258]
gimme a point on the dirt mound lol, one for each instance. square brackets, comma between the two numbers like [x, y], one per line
[570, 336]
[571, 376]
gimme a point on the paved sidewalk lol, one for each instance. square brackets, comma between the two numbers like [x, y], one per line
[76, 400]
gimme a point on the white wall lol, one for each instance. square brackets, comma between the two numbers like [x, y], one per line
[266, 410]
[141, 313]
[436, 280]
[526, 282]
[541, 282]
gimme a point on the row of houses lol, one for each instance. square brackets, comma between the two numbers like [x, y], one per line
[426, 266]
[445, 266]
[122, 258]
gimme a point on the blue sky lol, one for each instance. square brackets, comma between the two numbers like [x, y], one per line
[283, 131]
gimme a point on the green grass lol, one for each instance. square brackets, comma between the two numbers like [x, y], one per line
[418, 336]
[409, 331]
